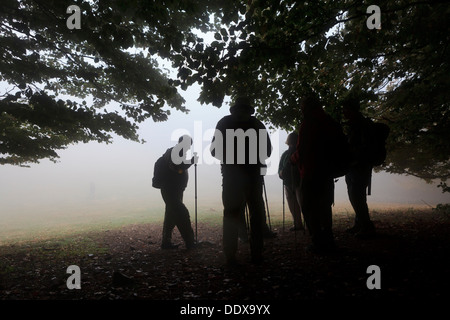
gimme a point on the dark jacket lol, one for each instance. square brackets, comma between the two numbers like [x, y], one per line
[360, 139]
[316, 135]
[254, 157]
[287, 171]
[176, 175]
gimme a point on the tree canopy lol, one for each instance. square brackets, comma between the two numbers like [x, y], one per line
[274, 51]
[111, 58]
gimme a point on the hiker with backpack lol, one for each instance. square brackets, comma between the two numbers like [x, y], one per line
[319, 133]
[239, 138]
[291, 181]
[171, 176]
[367, 146]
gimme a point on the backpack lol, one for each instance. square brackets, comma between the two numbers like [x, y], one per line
[289, 173]
[159, 173]
[338, 152]
[378, 134]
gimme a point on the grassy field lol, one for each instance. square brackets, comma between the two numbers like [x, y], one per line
[411, 247]
[57, 223]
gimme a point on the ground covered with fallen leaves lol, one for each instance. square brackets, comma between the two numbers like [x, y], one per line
[411, 249]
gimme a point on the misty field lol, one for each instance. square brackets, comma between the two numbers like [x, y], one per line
[45, 224]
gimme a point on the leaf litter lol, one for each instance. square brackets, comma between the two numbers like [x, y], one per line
[411, 249]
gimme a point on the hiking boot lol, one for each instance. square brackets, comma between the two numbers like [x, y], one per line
[190, 246]
[169, 246]
[231, 262]
[353, 230]
[257, 259]
[366, 230]
[269, 234]
[365, 233]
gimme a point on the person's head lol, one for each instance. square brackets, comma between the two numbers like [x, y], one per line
[242, 107]
[184, 144]
[185, 138]
[351, 108]
[310, 103]
[292, 138]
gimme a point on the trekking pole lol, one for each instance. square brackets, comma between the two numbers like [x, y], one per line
[247, 221]
[282, 185]
[295, 206]
[195, 170]
[267, 203]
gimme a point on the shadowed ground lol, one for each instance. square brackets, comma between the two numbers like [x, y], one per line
[411, 248]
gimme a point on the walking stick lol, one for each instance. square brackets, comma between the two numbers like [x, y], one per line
[247, 221]
[195, 169]
[267, 203]
[282, 185]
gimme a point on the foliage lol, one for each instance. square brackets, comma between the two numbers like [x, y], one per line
[443, 208]
[279, 51]
[112, 58]
[274, 51]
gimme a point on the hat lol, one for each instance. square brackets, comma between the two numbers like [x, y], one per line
[242, 103]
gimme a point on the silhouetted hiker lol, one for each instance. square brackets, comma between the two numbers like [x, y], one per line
[359, 176]
[291, 181]
[171, 176]
[242, 144]
[316, 134]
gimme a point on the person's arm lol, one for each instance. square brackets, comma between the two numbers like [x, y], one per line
[295, 158]
[217, 143]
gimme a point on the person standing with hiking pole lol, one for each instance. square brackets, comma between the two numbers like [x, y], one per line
[361, 137]
[195, 180]
[242, 144]
[291, 182]
[171, 176]
[318, 133]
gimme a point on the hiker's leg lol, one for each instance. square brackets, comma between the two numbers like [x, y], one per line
[183, 220]
[233, 203]
[254, 196]
[308, 201]
[301, 214]
[357, 184]
[243, 234]
[294, 206]
[353, 198]
[326, 195]
[169, 221]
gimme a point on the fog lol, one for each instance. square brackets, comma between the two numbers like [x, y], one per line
[99, 182]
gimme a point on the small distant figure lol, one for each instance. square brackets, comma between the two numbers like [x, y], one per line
[291, 181]
[171, 176]
[316, 135]
[359, 176]
[242, 144]
[91, 191]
